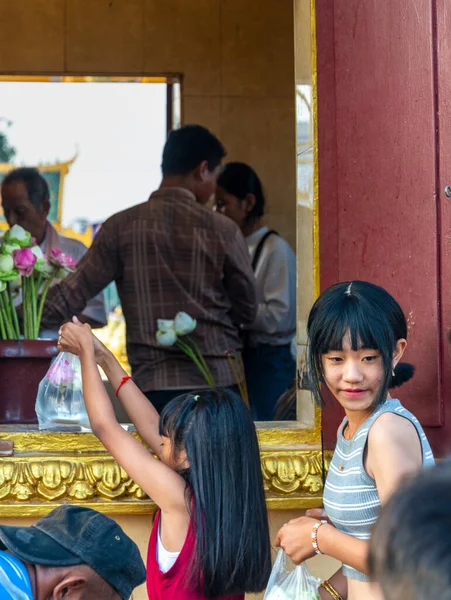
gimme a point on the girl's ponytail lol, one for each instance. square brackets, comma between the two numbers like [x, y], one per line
[403, 373]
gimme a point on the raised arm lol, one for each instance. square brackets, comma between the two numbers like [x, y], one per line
[141, 412]
[160, 482]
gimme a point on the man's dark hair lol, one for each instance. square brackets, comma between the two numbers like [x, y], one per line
[37, 186]
[410, 549]
[187, 147]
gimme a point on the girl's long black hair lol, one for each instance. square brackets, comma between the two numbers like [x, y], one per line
[372, 318]
[225, 494]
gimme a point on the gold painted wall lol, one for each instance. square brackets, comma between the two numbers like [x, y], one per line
[236, 57]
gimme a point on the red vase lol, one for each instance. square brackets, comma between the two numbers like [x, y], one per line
[23, 364]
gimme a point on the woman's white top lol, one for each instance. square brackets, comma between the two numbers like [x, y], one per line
[165, 559]
[275, 273]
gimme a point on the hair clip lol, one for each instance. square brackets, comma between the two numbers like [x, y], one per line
[196, 397]
[349, 290]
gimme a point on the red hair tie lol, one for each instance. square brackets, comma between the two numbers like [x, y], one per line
[123, 380]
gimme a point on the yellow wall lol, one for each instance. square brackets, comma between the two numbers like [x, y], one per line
[236, 56]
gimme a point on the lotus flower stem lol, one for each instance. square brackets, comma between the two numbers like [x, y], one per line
[13, 310]
[190, 352]
[42, 300]
[201, 358]
[28, 312]
[2, 327]
[7, 322]
[33, 307]
[25, 304]
[7, 313]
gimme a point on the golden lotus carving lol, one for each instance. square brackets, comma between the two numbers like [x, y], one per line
[68, 480]
[287, 473]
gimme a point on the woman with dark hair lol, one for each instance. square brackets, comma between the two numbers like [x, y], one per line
[210, 537]
[357, 336]
[269, 365]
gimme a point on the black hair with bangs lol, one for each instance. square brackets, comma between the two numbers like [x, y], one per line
[224, 492]
[372, 318]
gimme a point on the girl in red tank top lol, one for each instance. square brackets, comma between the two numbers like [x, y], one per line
[172, 584]
[210, 538]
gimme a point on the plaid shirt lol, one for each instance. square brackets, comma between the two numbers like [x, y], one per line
[167, 255]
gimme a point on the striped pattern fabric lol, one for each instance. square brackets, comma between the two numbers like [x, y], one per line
[167, 255]
[350, 495]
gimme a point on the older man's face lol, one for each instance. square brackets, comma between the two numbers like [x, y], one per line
[19, 210]
[78, 582]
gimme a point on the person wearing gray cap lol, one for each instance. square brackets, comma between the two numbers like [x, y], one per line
[74, 553]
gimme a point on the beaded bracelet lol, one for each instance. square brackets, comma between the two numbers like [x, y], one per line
[330, 590]
[316, 526]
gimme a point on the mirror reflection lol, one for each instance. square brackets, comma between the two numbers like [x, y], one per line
[189, 288]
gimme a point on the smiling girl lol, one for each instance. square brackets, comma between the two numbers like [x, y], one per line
[357, 335]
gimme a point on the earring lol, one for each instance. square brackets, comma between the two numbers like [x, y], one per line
[393, 371]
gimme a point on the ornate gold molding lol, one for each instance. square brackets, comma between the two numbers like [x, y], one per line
[300, 473]
[60, 479]
[33, 482]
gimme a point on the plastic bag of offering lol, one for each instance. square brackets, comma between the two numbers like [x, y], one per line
[59, 403]
[291, 582]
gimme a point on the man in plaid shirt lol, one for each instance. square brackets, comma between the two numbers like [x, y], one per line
[170, 254]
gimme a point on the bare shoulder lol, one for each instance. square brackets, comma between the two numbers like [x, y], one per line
[394, 451]
[391, 430]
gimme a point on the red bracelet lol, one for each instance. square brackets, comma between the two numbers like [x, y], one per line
[123, 380]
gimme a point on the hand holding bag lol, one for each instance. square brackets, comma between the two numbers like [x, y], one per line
[59, 403]
[291, 582]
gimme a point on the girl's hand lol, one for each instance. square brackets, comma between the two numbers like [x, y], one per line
[295, 538]
[75, 338]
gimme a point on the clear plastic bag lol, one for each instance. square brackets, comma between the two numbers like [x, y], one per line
[291, 582]
[59, 403]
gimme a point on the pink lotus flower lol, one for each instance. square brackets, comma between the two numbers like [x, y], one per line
[64, 261]
[24, 260]
[61, 373]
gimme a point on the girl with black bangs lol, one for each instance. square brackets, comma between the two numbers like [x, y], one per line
[210, 537]
[357, 335]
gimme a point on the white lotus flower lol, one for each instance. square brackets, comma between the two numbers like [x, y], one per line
[18, 235]
[6, 263]
[166, 338]
[165, 324]
[184, 324]
[9, 248]
[37, 252]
